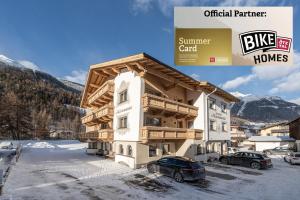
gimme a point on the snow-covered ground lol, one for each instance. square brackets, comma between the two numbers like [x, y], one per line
[52, 170]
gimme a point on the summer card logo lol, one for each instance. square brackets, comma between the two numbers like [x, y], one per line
[268, 41]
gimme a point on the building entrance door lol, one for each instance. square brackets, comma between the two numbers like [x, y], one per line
[165, 149]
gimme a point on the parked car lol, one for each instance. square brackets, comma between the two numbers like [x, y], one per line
[278, 151]
[6, 145]
[179, 168]
[232, 149]
[255, 160]
[292, 158]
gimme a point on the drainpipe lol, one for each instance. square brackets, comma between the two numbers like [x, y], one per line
[207, 116]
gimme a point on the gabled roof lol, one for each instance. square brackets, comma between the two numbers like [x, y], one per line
[275, 124]
[144, 63]
[298, 118]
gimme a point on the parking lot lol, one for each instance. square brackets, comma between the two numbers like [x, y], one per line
[62, 170]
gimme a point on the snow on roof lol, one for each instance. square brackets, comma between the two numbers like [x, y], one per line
[271, 139]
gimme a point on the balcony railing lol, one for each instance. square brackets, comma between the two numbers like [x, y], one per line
[103, 114]
[103, 94]
[102, 134]
[156, 102]
[156, 133]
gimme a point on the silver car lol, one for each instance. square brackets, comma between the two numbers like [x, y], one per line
[292, 158]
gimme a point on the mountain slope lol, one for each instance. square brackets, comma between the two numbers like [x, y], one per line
[45, 101]
[265, 109]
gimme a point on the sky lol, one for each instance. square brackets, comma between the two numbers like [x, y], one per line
[65, 37]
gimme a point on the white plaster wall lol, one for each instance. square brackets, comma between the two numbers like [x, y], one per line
[131, 108]
[201, 121]
[220, 117]
[260, 146]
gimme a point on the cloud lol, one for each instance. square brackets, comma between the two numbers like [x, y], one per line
[77, 76]
[141, 6]
[29, 64]
[283, 79]
[288, 84]
[239, 94]
[296, 101]
[166, 6]
[195, 76]
[240, 3]
[237, 82]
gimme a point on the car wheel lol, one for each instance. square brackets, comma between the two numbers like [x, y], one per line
[284, 159]
[255, 165]
[224, 161]
[178, 177]
[151, 169]
[291, 162]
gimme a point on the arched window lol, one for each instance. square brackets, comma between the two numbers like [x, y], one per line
[121, 150]
[129, 150]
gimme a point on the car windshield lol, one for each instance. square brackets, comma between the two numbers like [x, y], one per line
[297, 155]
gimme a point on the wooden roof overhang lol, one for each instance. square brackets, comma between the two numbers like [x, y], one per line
[142, 63]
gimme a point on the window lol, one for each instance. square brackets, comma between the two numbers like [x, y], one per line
[123, 122]
[121, 150]
[212, 125]
[104, 126]
[129, 150]
[152, 150]
[212, 103]
[92, 145]
[224, 108]
[190, 102]
[200, 149]
[152, 121]
[224, 127]
[123, 96]
[180, 124]
[190, 124]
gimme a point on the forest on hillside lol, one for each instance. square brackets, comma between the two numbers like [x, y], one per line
[34, 103]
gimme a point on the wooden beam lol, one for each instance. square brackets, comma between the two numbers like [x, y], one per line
[117, 71]
[169, 78]
[94, 85]
[130, 68]
[110, 72]
[170, 86]
[100, 73]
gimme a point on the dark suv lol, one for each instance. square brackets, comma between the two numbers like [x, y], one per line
[179, 168]
[255, 160]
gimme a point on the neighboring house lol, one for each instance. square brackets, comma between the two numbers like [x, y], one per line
[63, 134]
[240, 130]
[294, 128]
[261, 143]
[140, 109]
[276, 129]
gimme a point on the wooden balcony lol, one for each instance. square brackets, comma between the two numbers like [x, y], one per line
[102, 95]
[102, 134]
[166, 133]
[167, 106]
[103, 114]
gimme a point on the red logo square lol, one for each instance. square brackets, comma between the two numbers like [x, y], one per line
[212, 59]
